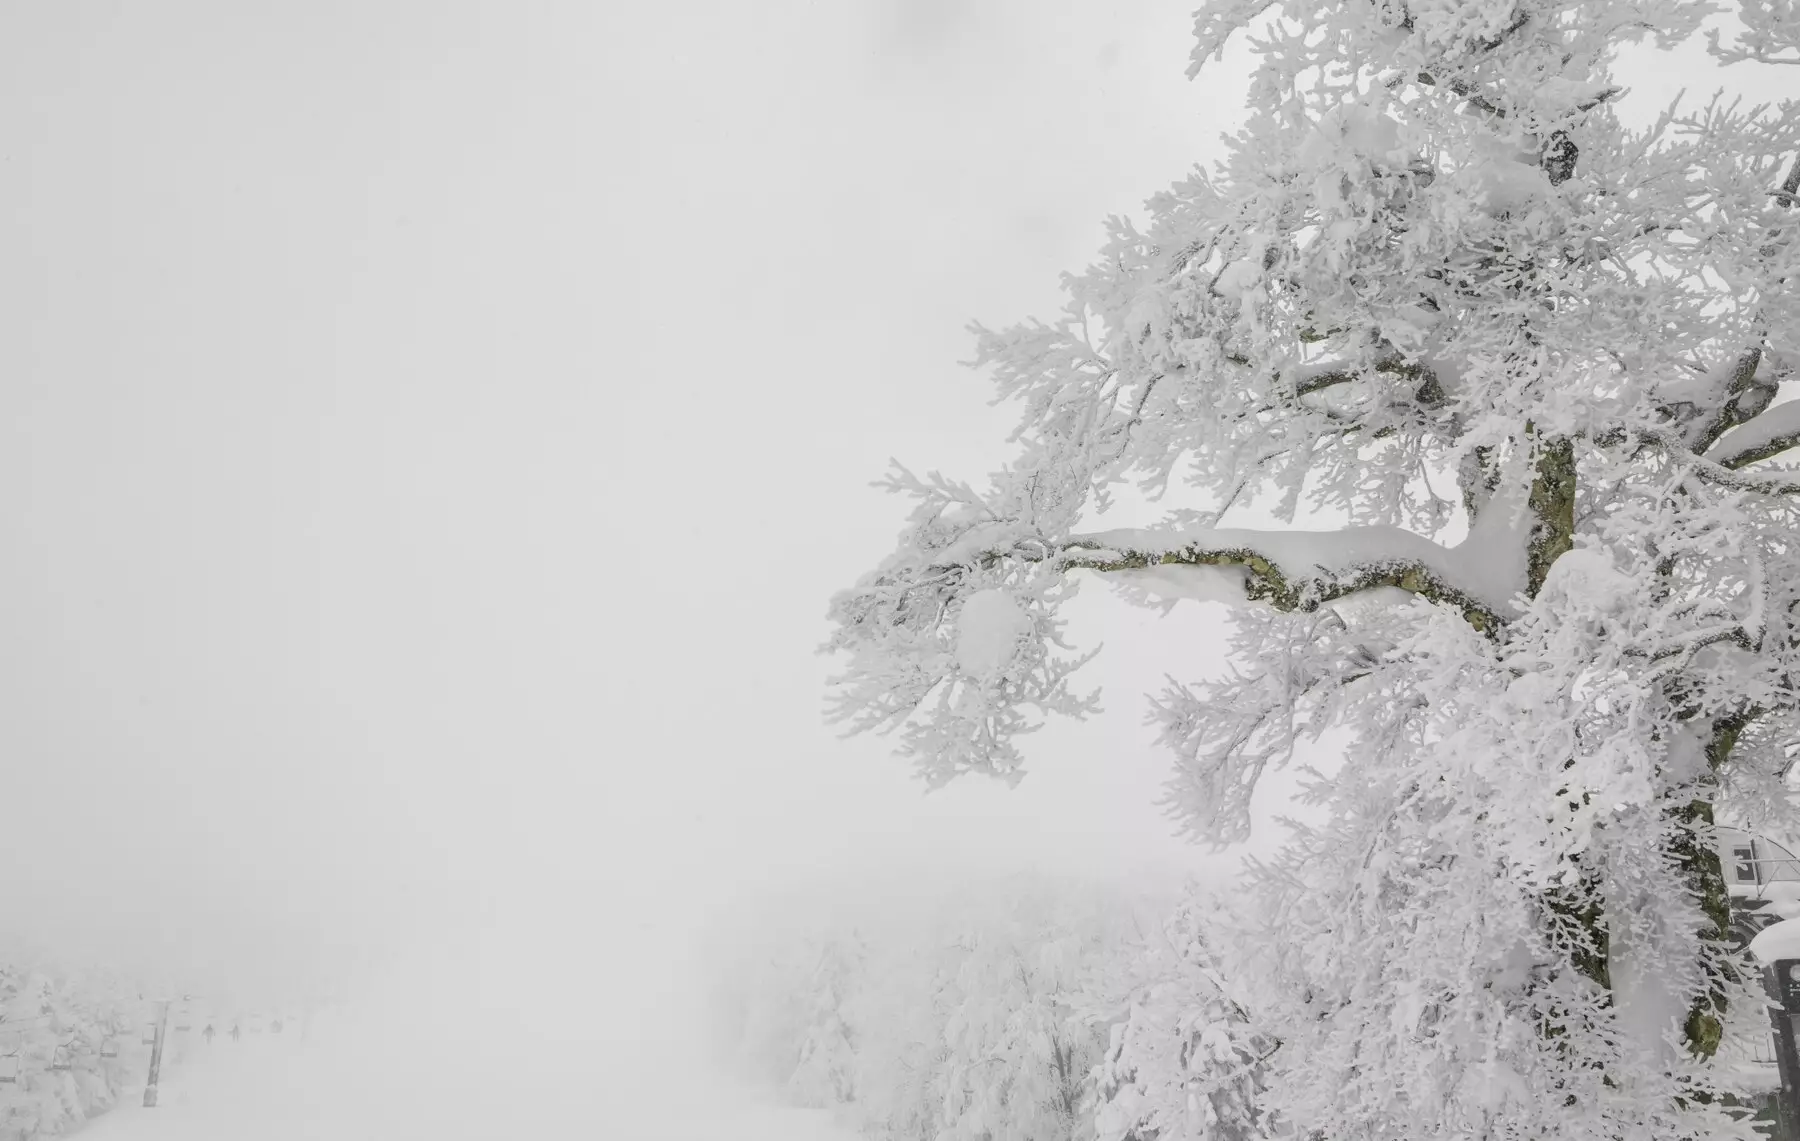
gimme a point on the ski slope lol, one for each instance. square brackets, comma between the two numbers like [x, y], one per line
[511, 1045]
[269, 1088]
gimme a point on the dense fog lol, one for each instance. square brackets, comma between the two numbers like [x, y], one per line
[410, 563]
[430, 434]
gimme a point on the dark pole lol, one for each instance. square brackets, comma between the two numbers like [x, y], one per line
[162, 1022]
[1782, 979]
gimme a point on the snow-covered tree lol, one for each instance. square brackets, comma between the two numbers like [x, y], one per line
[825, 1072]
[1531, 365]
[762, 1010]
[1184, 1062]
[971, 1020]
[901, 1075]
[1019, 1059]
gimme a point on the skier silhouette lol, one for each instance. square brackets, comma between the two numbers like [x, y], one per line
[234, 1032]
[208, 1033]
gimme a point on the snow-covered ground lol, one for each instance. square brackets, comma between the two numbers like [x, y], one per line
[270, 1088]
[471, 1049]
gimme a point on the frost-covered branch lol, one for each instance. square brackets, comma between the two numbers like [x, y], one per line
[1716, 472]
[1770, 33]
[1744, 396]
[956, 642]
[1297, 570]
[1765, 437]
[1429, 393]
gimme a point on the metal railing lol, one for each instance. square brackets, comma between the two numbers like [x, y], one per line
[1762, 1051]
[1764, 870]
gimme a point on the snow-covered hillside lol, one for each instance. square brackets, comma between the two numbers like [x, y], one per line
[364, 1076]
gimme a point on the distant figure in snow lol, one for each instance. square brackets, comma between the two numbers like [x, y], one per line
[235, 1033]
[275, 1026]
[208, 1033]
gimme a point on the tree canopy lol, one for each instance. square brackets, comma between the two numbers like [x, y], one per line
[1532, 365]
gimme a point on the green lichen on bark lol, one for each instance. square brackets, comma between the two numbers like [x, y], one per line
[1266, 582]
[1578, 907]
[1699, 862]
[1724, 738]
[1747, 396]
[1552, 509]
[1704, 874]
[1768, 449]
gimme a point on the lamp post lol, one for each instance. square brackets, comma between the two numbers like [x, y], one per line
[156, 1047]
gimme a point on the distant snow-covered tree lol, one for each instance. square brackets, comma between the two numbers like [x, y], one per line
[972, 1021]
[1019, 1058]
[766, 1025]
[901, 1056]
[1533, 366]
[825, 1070]
[1184, 1061]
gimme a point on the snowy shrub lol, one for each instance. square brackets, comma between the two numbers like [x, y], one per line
[972, 1024]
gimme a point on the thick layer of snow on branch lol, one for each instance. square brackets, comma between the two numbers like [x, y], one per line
[1358, 130]
[1488, 567]
[1173, 582]
[988, 632]
[1479, 567]
[1778, 423]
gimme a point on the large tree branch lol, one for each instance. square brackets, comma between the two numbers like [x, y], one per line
[1430, 393]
[1302, 570]
[1747, 394]
[1761, 438]
[1745, 398]
[1765, 35]
[1712, 471]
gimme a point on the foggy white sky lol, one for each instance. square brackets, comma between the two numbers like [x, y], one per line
[430, 433]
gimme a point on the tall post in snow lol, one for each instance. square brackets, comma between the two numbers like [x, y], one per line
[156, 1048]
